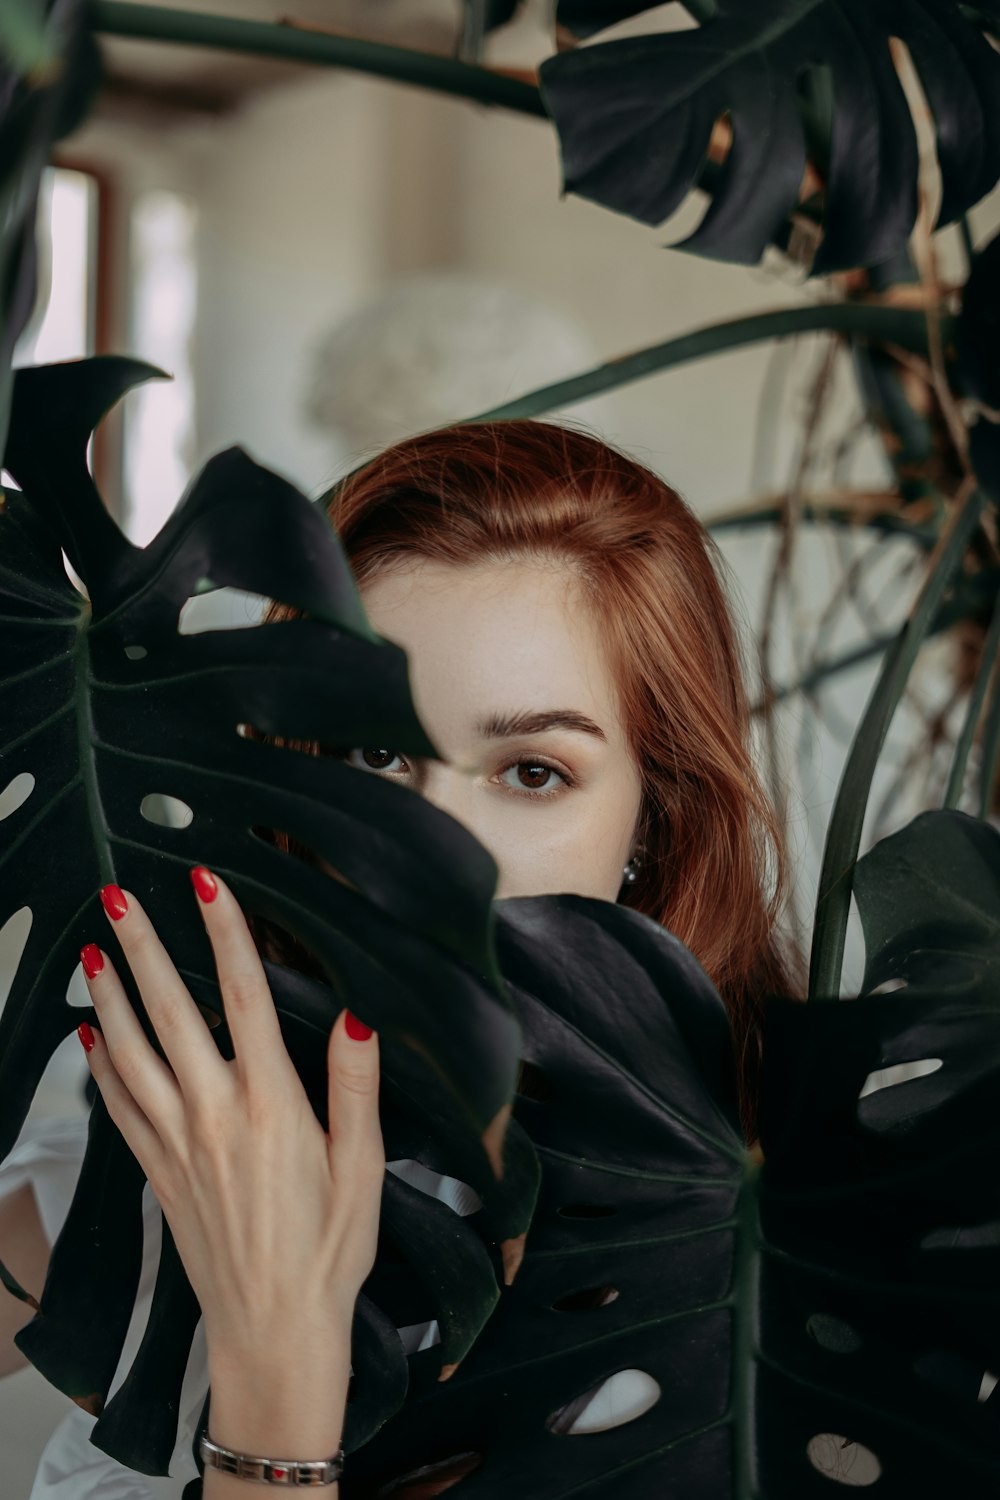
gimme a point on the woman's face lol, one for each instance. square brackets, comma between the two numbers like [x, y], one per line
[557, 808]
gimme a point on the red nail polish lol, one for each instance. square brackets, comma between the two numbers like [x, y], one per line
[114, 902]
[356, 1029]
[86, 1036]
[90, 957]
[204, 883]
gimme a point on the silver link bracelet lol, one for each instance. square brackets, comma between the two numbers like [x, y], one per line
[308, 1472]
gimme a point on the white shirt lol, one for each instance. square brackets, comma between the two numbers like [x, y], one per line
[49, 1153]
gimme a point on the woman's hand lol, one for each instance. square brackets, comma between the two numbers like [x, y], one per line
[274, 1219]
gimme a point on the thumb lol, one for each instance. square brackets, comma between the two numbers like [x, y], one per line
[353, 1068]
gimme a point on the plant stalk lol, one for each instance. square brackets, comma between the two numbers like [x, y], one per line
[843, 837]
[446, 75]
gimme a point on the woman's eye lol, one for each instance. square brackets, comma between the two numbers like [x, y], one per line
[381, 760]
[533, 777]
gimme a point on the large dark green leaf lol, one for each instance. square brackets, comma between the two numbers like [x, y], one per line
[977, 330]
[49, 74]
[845, 1287]
[977, 339]
[891, 1196]
[105, 705]
[635, 116]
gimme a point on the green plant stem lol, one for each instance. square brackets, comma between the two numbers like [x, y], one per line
[464, 80]
[956, 778]
[446, 75]
[823, 671]
[894, 325]
[843, 837]
[991, 750]
[904, 326]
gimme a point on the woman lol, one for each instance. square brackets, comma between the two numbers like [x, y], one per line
[572, 656]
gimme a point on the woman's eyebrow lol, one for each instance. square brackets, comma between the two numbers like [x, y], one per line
[501, 726]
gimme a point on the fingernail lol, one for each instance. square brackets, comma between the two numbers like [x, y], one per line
[204, 883]
[114, 902]
[86, 1035]
[356, 1029]
[90, 957]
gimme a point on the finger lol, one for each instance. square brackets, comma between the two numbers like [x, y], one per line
[246, 994]
[199, 1068]
[138, 1131]
[127, 1050]
[353, 1069]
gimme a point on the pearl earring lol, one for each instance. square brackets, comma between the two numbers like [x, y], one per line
[631, 869]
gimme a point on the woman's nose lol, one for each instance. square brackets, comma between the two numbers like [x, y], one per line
[449, 788]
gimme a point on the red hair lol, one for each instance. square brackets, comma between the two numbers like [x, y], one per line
[714, 864]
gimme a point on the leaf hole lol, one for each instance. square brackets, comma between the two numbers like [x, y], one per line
[278, 945]
[264, 736]
[16, 793]
[215, 606]
[975, 1236]
[904, 1072]
[136, 653]
[165, 811]
[322, 749]
[431, 1479]
[74, 576]
[623, 1397]
[532, 1083]
[842, 1460]
[585, 1299]
[417, 1336]
[451, 1191]
[277, 838]
[665, 15]
[13, 941]
[587, 1210]
[954, 1373]
[833, 1334]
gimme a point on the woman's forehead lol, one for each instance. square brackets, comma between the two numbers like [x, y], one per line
[493, 639]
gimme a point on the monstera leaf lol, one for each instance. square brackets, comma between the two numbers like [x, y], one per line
[635, 115]
[977, 340]
[49, 74]
[107, 709]
[848, 1289]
